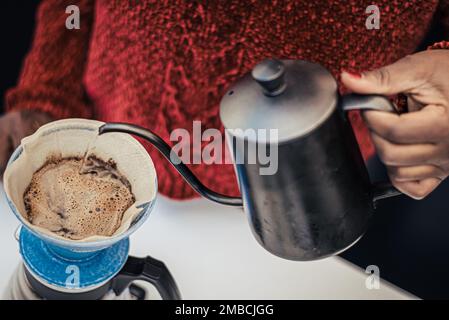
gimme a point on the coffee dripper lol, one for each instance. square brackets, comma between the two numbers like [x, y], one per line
[58, 268]
[320, 200]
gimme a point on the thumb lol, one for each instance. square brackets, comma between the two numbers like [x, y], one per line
[5, 151]
[399, 77]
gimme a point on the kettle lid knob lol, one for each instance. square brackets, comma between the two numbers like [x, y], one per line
[270, 76]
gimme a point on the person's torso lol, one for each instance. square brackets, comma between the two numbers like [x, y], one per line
[163, 64]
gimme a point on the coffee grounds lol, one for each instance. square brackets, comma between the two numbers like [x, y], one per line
[77, 198]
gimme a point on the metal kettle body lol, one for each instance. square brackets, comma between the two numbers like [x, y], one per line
[318, 200]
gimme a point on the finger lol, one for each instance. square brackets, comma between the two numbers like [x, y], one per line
[5, 151]
[427, 125]
[413, 173]
[417, 189]
[404, 154]
[403, 76]
[26, 123]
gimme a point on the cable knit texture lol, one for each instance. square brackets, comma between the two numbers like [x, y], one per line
[163, 64]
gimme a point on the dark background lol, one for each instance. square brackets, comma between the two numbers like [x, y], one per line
[408, 240]
[16, 30]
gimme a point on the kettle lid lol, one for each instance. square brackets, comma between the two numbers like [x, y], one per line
[292, 96]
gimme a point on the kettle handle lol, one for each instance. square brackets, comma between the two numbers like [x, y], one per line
[150, 270]
[173, 158]
[354, 101]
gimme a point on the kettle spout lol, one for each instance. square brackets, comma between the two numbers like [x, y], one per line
[172, 157]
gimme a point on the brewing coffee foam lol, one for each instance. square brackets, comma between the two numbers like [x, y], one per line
[77, 198]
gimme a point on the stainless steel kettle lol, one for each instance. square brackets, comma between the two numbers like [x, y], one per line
[316, 200]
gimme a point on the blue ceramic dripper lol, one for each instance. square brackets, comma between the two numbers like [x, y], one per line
[65, 268]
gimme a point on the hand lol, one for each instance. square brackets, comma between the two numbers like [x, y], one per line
[415, 145]
[13, 127]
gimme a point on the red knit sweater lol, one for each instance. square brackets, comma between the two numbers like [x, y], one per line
[164, 63]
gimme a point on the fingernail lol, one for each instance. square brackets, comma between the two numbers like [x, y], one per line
[355, 75]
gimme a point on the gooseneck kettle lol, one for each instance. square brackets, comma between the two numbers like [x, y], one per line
[318, 201]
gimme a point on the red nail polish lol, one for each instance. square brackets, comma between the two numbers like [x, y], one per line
[354, 74]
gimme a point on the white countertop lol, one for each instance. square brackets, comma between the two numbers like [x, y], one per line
[212, 254]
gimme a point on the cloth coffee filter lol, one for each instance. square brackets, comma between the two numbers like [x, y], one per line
[72, 138]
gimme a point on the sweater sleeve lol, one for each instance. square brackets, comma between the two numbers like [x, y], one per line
[52, 73]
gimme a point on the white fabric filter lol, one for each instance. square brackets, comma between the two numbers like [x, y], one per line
[72, 138]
